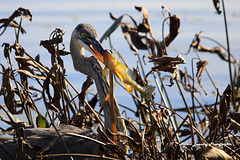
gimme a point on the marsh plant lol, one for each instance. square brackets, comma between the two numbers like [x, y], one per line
[158, 130]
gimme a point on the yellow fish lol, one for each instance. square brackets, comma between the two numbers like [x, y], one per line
[87, 38]
[112, 62]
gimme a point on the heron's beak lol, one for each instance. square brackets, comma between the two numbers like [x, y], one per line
[96, 48]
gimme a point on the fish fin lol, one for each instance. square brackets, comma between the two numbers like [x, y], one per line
[104, 72]
[132, 74]
[129, 88]
[122, 66]
[119, 76]
[147, 91]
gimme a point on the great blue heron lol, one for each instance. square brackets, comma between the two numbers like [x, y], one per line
[84, 36]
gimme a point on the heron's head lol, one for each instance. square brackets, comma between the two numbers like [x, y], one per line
[86, 36]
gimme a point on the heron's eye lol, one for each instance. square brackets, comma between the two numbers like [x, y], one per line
[83, 35]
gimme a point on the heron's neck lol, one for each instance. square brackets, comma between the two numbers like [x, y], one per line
[76, 49]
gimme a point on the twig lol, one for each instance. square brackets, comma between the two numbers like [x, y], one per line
[229, 56]
[114, 127]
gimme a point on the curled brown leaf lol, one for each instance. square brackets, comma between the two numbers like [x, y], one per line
[19, 12]
[7, 49]
[19, 50]
[174, 29]
[225, 100]
[168, 64]
[133, 38]
[85, 87]
[200, 68]
[216, 4]
[12, 23]
[8, 91]
[144, 26]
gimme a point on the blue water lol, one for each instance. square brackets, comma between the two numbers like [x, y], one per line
[195, 16]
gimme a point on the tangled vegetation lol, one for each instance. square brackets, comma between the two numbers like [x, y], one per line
[159, 131]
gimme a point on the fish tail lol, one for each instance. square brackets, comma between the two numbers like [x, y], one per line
[147, 91]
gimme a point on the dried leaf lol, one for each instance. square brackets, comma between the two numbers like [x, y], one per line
[172, 61]
[167, 64]
[200, 68]
[19, 12]
[52, 45]
[219, 51]
[19, 50]
[27, 61]
[85, 87]
[7, 49]
[214, 128]
[174, 29]
[26, 72]
[134, 133]
[133, 38]
[225, 100]
[214, 153]
[48, 45]
[7, 91]
[174, 76]
[144, 26]
[216, 4]
[93, 101]
[12, 23]
[164, 10]
[139, 78]
[133, 143]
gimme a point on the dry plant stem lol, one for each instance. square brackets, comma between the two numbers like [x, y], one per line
[164, 101]
[203, 107]
[64, 106]
[95, 114]
[194, 128]
[229, 56]
[168, 99]
[179, 127]
[140, 62]
[75, 154]
[164, 44]
[92, 110]
[206, 71]
[183, 97]
[25, 108]
[192, 91]
[18, 31]
[234, 152]
[192, 132]
[114, 128]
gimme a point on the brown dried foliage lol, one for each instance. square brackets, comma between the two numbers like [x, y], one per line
[53, 91]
